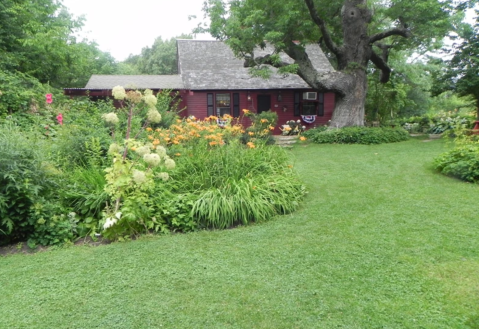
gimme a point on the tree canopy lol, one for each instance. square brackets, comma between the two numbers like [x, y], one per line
[354, 34]
[38, 52]
[461, 72]
[160, 58]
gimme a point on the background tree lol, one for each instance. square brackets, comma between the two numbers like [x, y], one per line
[461, 72]
[353, 34]
[39, 53]
[160, 58]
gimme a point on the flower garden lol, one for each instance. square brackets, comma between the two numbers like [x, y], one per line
[118, 173]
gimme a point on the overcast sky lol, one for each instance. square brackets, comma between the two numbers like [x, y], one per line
[125, 27]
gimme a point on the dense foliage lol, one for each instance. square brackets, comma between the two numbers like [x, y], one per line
[160, 58]
[437, 123]
[123, 172]
[463, 160]
[39, 53]
[358, 37]
[357, 135]
[461, 72]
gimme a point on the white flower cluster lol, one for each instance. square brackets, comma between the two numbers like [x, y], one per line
[152, 159]
[161, 151]
[139, 177]
[134, 96]
[114, 148]
[112, 220]
[153, 115]
[164, 176]
[111, 118]
[142, 150]
[170, 164]
[149, 99]
[118, 92]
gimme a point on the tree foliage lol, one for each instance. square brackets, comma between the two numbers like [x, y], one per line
[461, 72]
[160, 58]
[353, 33]
[39, 52]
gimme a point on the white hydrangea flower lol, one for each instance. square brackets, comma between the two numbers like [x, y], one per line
[152, 159]
[161, 151]
[142, 150]
[114, 148]
[154, 116]
[170, 164]
[139, 177]
[150, 100]
[111, 118]
[164, 176]
[118, 92]
[110, 222]
[134, 96]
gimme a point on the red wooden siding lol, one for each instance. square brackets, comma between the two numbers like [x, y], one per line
[196, 103]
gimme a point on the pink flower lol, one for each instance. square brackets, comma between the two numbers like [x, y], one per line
[49, 98]
[60, 118]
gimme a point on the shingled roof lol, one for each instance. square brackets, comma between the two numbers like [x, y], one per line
[135, 81]
[211, 65]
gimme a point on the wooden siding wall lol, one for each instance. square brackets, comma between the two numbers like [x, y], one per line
[196, 103]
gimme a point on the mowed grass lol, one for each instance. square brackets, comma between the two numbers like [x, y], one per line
[381, 241]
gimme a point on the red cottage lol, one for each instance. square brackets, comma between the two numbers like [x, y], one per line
[212, 81]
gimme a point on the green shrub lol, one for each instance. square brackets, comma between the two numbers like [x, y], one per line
[26, 179]
[461, 162]
[20, 92]
[313, 131]
[51, 225]
[358, 135]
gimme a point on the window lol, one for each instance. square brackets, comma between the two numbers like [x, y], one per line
[223, 104]
[308, 103]
[309, 108]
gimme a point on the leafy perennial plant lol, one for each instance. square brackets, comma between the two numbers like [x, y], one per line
[194, 174]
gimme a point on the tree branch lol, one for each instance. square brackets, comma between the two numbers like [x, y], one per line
[322, 26]
[382, 65]
[403, 32]
[334, 81]
[251, 61]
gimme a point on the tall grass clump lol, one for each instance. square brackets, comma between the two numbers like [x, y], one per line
[238, 185]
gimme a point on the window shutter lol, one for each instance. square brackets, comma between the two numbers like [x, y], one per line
[321, 105]
[236, 107]
[296, 103]
[209, 104]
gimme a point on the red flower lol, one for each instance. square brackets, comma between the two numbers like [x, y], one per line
[49, 98]
[60, 118]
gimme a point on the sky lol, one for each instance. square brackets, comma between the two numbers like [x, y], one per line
[124, 29]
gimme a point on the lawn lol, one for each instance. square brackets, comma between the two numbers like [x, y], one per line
[381, 241]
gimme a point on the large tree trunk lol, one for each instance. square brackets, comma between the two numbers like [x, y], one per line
[349, 108]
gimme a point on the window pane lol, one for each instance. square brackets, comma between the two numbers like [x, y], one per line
[223, 102]
[309, 109]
